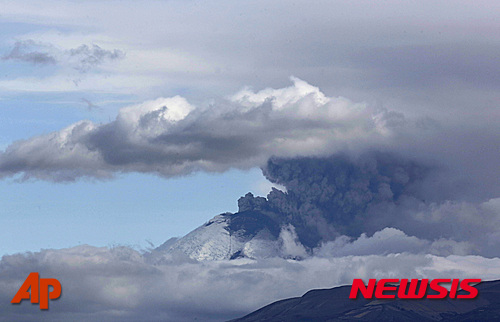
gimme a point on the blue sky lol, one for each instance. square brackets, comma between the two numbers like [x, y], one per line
[131, 210]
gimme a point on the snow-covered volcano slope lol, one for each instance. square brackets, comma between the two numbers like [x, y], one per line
[229, 236]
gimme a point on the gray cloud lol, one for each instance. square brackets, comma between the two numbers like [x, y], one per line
[82, 58]
[89, 57]
[25, 51]
[170, 137]
[121, 284]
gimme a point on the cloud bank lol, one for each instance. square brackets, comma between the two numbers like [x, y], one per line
[121, 284]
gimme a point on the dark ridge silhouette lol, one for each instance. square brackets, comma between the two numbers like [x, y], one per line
[334, 305]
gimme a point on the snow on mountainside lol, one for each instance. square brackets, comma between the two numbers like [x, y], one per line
[212, 241]
[217, 240]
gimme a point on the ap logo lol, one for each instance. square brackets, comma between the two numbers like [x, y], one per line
[39, 289]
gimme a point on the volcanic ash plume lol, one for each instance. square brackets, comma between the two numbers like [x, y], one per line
[345, 196]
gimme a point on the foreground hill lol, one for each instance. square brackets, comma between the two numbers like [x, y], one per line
[334, 305]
